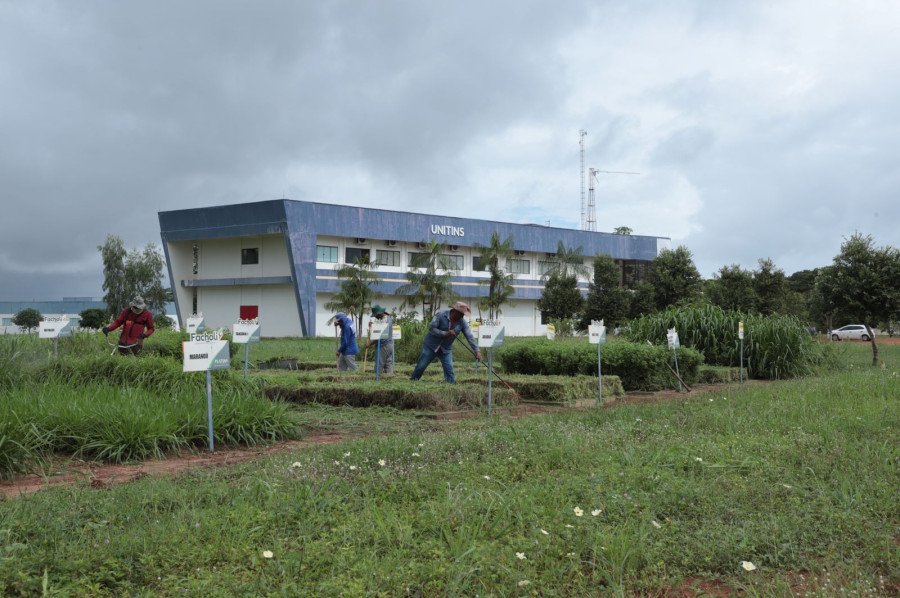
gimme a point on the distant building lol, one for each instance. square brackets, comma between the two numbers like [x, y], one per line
[70, 307]
[276, 260]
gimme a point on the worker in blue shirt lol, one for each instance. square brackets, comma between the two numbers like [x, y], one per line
[444, 328]
[346, 353]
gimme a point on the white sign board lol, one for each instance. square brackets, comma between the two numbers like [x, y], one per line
[551, 331]
[672, 338]
[205, 351]
[597, 333]
[397, 332]
[245, 331]
[740, 330]
[490, 334]
[195, 323]
[55, 327]
[379, 329]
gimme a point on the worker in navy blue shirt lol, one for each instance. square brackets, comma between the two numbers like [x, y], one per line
[347, 351]
[444, 328]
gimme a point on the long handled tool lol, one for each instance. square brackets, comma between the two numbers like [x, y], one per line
[366, 352]
[494, 372]
[117, 346]
[674, 373]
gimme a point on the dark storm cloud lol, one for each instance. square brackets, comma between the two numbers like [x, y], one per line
[759, 129]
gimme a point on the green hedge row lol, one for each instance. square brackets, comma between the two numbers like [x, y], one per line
[639, 366]
[715, 374]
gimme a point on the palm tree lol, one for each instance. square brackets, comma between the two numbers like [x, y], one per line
[425, 284]
[567, 263]
[499, 284]
[356, 292]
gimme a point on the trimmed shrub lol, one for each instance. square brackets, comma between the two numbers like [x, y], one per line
[716, 374]
[639, 366]
[775, 346]
[427, 396]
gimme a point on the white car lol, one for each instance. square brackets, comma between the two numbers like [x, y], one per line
[850, 332]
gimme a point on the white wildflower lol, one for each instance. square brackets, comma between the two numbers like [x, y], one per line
[596, 512]
[296, 464]
[698, 459]
[487, 477]
[415, 454]
[347, 454]
[267, 554]
[578, 511]
[382, 462]
[656, 523]
[748, 566]
[521, 556]
[523, 583]
[545, 532]
[353, 468]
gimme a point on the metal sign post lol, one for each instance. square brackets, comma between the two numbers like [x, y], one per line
[672, 338]
[741, 337]
[206, 352]
[597, 336]
[490, 335]
[55, 327]
[244, 333]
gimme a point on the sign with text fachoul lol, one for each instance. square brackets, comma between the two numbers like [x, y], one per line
[195, 323]
[490, 334]
[55, 327]
[245, 331]
[205, 351]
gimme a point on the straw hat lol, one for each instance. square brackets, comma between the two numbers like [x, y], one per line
[462, 308]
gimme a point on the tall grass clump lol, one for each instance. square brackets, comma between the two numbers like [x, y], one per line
[107, 422]
[775, 347]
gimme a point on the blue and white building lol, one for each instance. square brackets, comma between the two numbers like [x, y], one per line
[276, 260]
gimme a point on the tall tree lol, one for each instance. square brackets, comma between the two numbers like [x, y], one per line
[643, 301]
[606, 300]
[769, 285]
[130, 273]
[674, 277]
[499, 283]
[29, 319]
[357, 292]
[561, 300]
[425, 284]
[113, 253]
[732, 288]
[567, 262]
[862, 283]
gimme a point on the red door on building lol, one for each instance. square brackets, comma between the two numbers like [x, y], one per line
[249, 312]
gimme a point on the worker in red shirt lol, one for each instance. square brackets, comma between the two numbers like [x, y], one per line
[137, 324]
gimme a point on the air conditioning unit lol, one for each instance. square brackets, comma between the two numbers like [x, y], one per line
[391, 243]
[454, 247]
[421, 245]
[360, 241]
[551, 255]
[519, 252]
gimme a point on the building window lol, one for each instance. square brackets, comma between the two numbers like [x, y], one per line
[544, 267]
[196, 258]
[386, 257]
[419, 260]
[518, 266]
[249, 256]
[545, 318]
[326, 253]
[635, 272]
[452, 262]
[353, 255]
[478, 265]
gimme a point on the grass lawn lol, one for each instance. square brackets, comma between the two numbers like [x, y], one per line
[800, 478]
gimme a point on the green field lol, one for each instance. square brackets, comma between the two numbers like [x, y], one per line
[799, 477]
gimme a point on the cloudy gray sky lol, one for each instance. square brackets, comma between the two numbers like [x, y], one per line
[761, 129]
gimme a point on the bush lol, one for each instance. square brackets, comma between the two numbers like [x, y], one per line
[774, 346]
[713, 374]
[93, 318]
[639, 366]
[28, 318]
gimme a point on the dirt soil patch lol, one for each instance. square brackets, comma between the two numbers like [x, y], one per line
[102, 475]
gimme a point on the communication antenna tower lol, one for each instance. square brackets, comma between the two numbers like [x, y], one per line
[591, 223]
[581, 134]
